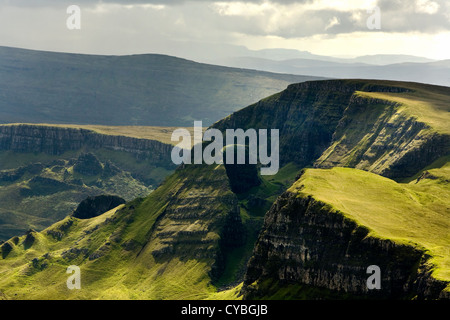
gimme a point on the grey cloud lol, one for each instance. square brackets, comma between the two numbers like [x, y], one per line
[304, 24]
[396, 16]
[405, 16]
[36, 3]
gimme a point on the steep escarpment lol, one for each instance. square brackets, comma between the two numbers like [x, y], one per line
[368, 124]
[306, 115]
[57, 140]
[317, 254]
[380, 136]
[46, 171]
[321, 236]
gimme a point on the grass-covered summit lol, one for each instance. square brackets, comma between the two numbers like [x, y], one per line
[416, 212]
[337, 222]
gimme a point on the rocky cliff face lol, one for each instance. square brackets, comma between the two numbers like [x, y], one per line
[63, 174]
[373, 135]
[306, 115]
[57, 140]
[306, 246]
[331, 123]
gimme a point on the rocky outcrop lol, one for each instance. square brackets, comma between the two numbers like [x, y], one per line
[94, 206]
[6, 248]
[59, 230]
[15, 174]
[88, 164]
[57, 140]
[30, 238]
[242, 177]
[306, 244]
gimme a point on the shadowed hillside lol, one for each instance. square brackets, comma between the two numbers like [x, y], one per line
[150, 89]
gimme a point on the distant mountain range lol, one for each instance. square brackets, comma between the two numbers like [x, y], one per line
[387, 67]
[211, 53]
[437, 72]
[378, 66]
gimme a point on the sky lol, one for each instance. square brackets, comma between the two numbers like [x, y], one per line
[194, 28]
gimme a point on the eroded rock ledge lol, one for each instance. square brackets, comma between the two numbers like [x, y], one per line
[57, 140]
[307, 246]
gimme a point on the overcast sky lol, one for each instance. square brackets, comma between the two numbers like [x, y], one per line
[326, 27]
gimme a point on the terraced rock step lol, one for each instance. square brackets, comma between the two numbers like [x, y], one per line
[320, 237]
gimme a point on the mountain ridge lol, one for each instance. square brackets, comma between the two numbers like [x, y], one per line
[132, 248]
[432, 72]
[150, 89]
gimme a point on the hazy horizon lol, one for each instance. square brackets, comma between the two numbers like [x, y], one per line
[189, 28]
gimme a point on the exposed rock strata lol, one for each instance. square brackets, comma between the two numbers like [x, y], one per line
[305, 243]
[327, 123]
[57, 140]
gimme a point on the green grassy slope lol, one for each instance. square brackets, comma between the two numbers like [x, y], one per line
[119, 252]
[38, 194]
[416, 213]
